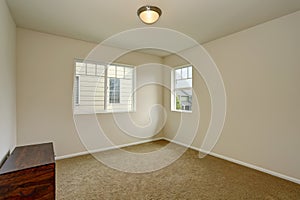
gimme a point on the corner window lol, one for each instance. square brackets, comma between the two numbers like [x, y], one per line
[102, 88]
[182, 89]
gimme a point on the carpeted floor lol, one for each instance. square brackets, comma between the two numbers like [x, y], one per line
[189, 177]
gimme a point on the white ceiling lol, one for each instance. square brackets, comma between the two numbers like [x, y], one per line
[96, 20]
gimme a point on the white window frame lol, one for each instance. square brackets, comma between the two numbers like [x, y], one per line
[106, 83]
[173, 93]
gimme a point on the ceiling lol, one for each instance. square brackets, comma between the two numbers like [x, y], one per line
[96, 20]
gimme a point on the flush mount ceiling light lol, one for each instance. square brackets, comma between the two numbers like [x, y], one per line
[149, 14]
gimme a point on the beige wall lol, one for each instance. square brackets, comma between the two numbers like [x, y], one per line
[7, 81]
[45, 71]
[260, 67]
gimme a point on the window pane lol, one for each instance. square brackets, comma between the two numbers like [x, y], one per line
[183, 89]
[190, 72]
[114, 90]
[111, 71]
[184, 99]
[80, 68]
[178, 74]
[120, 72]
[184, 73]
[91, 69]
[76, 89]
[128, 73]
[100, 70]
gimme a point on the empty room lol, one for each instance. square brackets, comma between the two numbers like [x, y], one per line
[196, 99]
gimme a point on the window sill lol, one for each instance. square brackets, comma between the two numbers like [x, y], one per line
[109, 112]
[182, 111]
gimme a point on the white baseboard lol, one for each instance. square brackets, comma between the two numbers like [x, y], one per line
[107, 148]
[295, 180]
[292, 179]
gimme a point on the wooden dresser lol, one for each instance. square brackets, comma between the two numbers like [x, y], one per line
[29, 173]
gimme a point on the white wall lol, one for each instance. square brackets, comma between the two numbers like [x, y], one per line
[261, 68]
[7, 81]
[45, 69]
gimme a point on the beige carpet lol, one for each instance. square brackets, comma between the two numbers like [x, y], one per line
[188, 178]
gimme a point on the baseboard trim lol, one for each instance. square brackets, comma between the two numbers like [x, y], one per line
[292, 179]
[2, 161]
[273, 173]
[107, 148]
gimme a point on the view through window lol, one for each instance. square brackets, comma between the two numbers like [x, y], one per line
[182, 88]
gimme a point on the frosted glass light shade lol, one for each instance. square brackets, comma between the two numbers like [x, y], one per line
[149, 14]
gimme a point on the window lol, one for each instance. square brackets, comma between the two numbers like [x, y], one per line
[114, 90]
[182, 88]
[103, 88]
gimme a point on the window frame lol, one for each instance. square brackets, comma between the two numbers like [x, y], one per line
[173, 88]
[106, 88]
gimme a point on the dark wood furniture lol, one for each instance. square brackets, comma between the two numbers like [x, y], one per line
[29, 173]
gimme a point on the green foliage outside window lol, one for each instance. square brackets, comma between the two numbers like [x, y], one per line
[178, 103]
